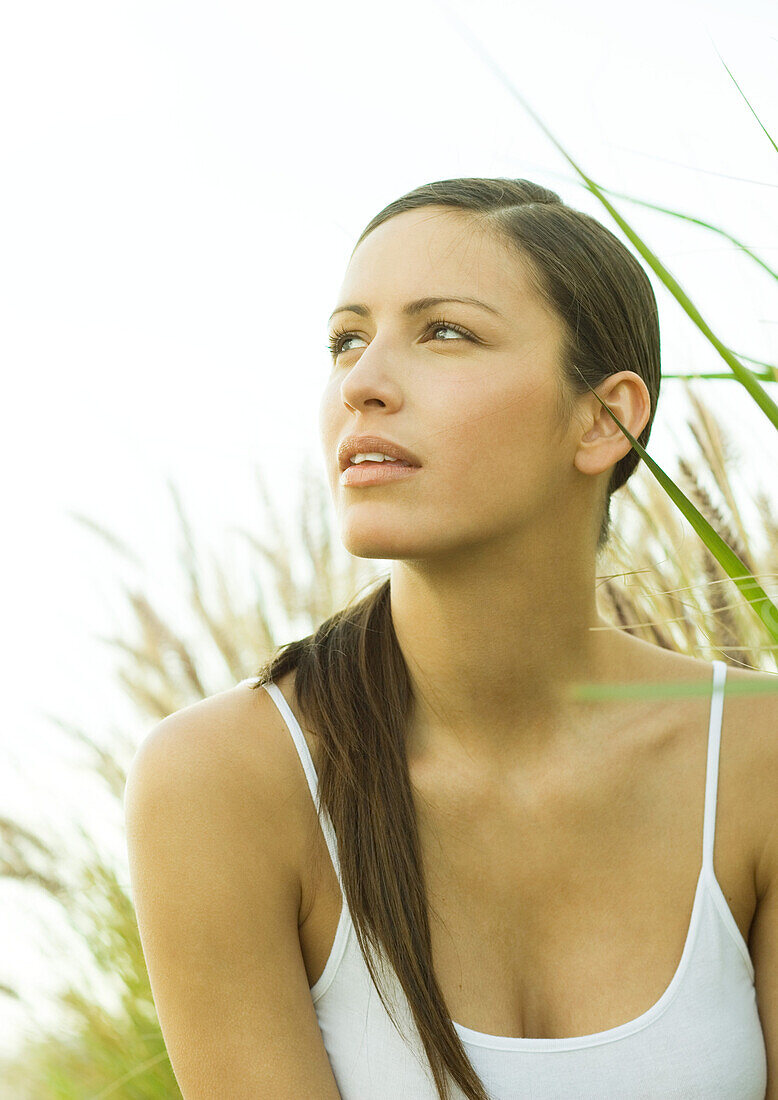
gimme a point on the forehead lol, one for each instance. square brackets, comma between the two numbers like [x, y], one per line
[435, 250]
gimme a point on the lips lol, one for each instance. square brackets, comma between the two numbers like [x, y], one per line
[366, 474]
[373, 444]
[381, 462]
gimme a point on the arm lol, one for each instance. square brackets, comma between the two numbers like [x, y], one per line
[216, 892]
[763, 936]
[763, 945]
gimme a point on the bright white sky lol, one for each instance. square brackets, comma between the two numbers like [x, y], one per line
[181, 186]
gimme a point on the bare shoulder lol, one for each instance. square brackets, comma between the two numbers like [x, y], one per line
[210, 810]
[752, 704]
[749, 748]
[750, 726]
[232, 753]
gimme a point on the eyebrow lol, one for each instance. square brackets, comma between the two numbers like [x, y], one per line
[416, 306]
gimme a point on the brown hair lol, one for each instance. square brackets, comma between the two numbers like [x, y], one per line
[351, 684]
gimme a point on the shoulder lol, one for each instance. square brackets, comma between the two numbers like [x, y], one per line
[215, 888]
[750, 728]
[220, 743]
[225, 763]
[749, 752]
[752, 701]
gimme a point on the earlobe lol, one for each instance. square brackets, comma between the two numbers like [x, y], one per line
[593, 461]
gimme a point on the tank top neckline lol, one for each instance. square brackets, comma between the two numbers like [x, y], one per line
[707, 887]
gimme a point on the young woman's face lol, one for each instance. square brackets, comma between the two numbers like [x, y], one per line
[479, 408]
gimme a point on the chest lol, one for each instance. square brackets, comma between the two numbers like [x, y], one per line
[560, 901]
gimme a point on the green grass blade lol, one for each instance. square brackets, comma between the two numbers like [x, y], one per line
[743, 375]
[766, 376]
[729, 561]
[770, 374]
[695, 221]
[745, 97]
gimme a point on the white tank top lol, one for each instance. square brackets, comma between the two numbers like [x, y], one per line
[701, 1039]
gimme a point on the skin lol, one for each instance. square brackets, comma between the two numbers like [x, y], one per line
[492, 542]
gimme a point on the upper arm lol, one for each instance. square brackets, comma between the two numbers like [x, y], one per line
[763, 935]
[763, 946]
[216, 895]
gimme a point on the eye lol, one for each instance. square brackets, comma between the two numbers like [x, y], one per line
[336, 340]
[341, 336]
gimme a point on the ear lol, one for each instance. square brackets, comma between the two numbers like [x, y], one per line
[603, 443]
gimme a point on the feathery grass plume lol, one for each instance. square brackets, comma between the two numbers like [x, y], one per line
[663, 584]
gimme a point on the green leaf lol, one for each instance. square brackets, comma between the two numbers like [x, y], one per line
[743, 375]
[696, 221]
[745, 97]
[729, 561]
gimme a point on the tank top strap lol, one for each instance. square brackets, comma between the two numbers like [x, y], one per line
[306, 760]
[712, 767]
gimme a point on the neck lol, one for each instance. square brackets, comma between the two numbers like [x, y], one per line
[495, 650]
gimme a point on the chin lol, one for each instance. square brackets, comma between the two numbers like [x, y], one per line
[375, 547]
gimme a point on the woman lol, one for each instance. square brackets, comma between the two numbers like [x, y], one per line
[510, 890]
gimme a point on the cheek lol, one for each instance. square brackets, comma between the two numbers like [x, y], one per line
[328, 423]
[506, 427]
